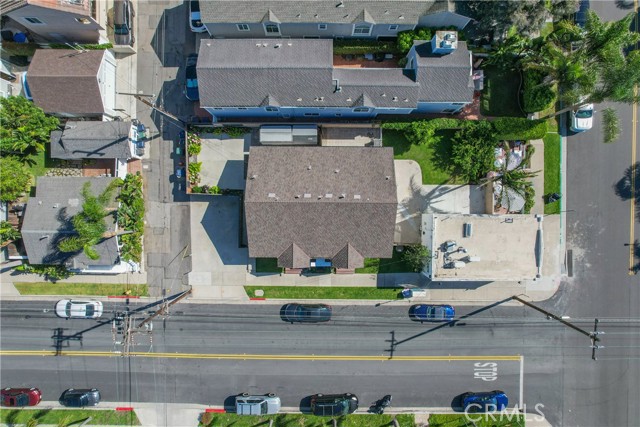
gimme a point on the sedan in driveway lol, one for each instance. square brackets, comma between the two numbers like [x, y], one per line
[431, 313]
[195, 21]
[191, 87]
[81, 397]
[21, 396]
[308, 313]
[582, 118]
[74, 309]
[486, 401]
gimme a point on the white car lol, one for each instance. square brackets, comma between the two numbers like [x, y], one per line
[582, 118]
[72, 309]
[195, 21]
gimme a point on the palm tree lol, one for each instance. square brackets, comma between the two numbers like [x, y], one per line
[516, 180]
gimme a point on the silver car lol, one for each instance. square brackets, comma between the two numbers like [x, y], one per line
[268, 404]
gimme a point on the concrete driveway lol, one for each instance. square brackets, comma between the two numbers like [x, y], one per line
[219, 264]
[414, 199]
[222, 160]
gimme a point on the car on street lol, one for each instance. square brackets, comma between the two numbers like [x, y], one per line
[431, 313]
[267, 404]
[307, 313]
[179, 173]
[195, 21]
[76, 309]
[486, 401]
[330, 405]
[122, 22]
[191, 85]
[21, 396]
[582, 118]
[78, 398]
[25, 87]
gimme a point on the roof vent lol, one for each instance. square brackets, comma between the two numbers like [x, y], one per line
[321, 98]
[272, 195]
[258, 44]
[299, 100]
[343, 195]
[254, 176]
[307, 195]
[277, 45]
[401, 17]
[386, 12]
[387, 177]
[289, 44]
[56, 205]
[348, 99]
[339, 89]
[329, 196]
[319, 197]
[341, 4]
[298, 15]
[336, 171]
[309, 167]
[297, 196]
[395, 99]
[356, 196]
[39, 202]
[383, 95]
[406, 100]
[265, 44]
[44, 237]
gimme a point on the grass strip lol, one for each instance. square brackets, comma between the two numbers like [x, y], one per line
[552, 169]
[89, 289]
[208, 419]
[501, 93]
[477, 420]
[385, 265]
[324, 292]
[65, 417]
[267, 265]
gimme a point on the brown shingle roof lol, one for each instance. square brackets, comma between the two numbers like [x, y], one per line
[66, 81]
[330, 202]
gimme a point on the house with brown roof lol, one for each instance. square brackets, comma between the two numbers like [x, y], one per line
[320, 206]
[56, 21]
[72, 83]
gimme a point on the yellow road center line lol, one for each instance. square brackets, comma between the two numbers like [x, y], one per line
[49, 353]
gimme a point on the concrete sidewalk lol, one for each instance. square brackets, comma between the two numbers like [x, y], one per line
[177, 414]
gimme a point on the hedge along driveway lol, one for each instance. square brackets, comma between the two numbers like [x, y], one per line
[324, 292]
[89, 289]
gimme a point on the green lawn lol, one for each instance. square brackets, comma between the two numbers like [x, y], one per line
[267, 265]
[385, 265]
[479, 420]
[39, 163]
[501, 93]
[322, 292]
[433, 158]
[552, 168]
[52, 416]
[303, 420]
[91, 289]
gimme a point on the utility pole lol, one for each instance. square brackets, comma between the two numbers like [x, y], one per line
[165, 307]
[593, 336]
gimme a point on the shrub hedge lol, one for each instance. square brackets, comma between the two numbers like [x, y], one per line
[535, 96]
[517, 128]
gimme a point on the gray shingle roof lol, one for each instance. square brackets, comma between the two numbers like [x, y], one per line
[47, 221]
[66, 81]
[320, 199]
[299, 73]
[323, 11]
[445, 78]
[92, 140]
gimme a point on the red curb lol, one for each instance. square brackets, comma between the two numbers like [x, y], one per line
[124, 408]
[257, 299]
[217, 411]
[123, 296]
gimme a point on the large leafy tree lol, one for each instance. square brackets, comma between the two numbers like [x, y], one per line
[495, 18]
[473, 150]
[15, 179]
[89, 224]
[25, 128]
[8, 233]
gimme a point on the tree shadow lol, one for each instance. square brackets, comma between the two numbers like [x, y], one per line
[442, 151]
[397, 140]
[635, 269]
[629, 186]
[624, 4]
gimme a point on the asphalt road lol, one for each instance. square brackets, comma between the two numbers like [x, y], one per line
[600, 229]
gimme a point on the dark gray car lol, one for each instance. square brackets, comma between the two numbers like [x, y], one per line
[122, 22]
[78, 398]
[331, 405]
[308, 313]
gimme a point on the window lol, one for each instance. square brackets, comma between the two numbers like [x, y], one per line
[242, 108]
[242, 27]
[393, 28]
[449, 110]
[458, 103]
[272, 29]
[83, 20]
[271, 109]
[311, 114]
[362, 30]
[361, 110]
[33, 20]
[322, 26]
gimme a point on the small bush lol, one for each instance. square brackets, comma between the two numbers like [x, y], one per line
[194, 149]
[516, 128]
[406, 38]
[49, 272]
[610, 125]
[196, 189]
[536, 96]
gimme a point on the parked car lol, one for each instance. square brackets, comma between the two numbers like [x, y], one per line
[25, 87]
[257, 405]
[179, 173]
[80, 397]
[330, 405]
[308, 313]
[431, 313]
[191, 86]
[122, 22]
[582, 118]
[194, 17]
[75, 309]
[486, 401]
[21, 396]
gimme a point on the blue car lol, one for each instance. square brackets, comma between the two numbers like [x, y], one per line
[191, 86]
[486, 401]
[25, 87]
[432, 313]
